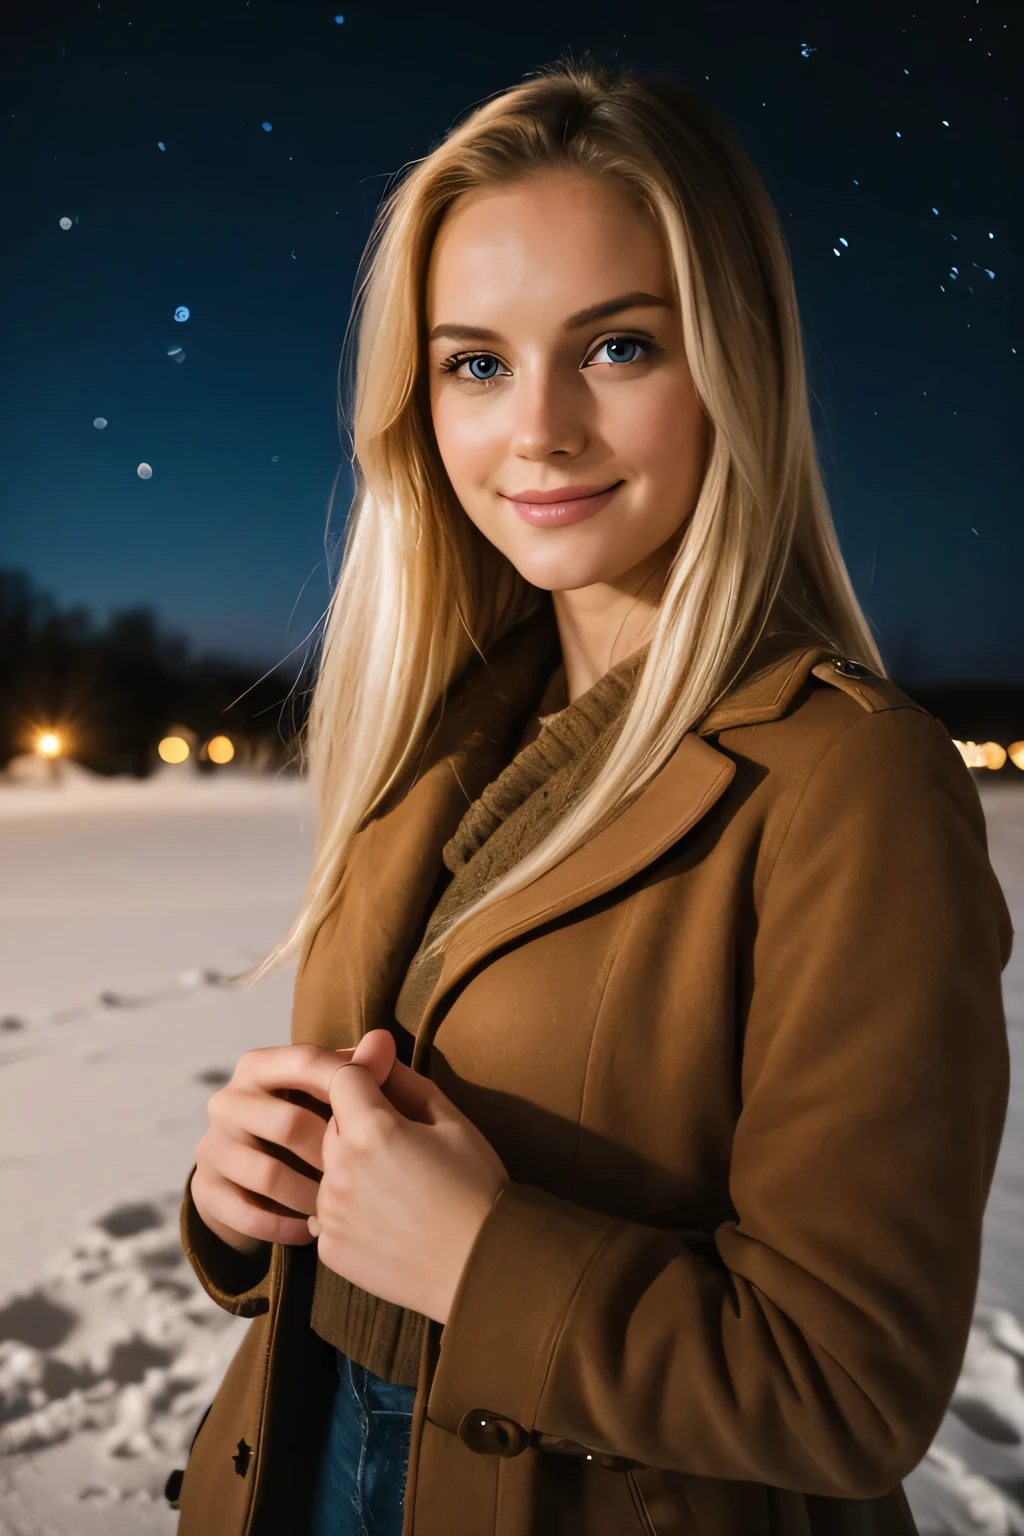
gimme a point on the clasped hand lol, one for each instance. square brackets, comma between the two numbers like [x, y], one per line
[405, 1179]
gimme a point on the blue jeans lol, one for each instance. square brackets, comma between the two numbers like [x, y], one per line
[361, 1485]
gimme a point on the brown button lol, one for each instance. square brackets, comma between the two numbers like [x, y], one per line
[489, 1434]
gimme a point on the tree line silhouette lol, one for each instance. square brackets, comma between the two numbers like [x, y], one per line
[112, 690]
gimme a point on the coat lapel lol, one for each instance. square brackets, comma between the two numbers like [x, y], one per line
[691, 782]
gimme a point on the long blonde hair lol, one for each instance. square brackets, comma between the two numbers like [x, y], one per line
[420, 589]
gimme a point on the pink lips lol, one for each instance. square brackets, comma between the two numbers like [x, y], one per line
[570, 507]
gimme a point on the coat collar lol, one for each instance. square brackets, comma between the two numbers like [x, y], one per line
[689, 784]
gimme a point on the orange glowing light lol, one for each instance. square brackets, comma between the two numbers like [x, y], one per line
[984, 754]
[48, 744]
[1015, 752]
[173, 749]
[220, 749]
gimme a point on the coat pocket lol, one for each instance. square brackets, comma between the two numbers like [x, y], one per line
[679, 1504]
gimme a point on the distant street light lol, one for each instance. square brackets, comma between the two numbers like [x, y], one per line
[48, 744]
[220, 749]
[173, 749]
[986, 754]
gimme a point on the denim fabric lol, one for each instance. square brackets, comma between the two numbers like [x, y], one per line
[361, 1486]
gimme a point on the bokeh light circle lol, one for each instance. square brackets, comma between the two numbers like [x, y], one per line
[145, 472]
[220, 749]
[173, 749]
[181, 313]
[100, 422]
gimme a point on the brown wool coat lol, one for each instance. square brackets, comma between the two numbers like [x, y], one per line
[744, 1057]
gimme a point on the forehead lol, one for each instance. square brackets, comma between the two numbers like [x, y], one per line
[553, 238]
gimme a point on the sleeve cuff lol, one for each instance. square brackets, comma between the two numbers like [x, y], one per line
[238, 1282]
[512, 1299]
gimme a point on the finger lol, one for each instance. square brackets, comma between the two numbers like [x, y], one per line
[253, 1169]
[375, 1053]
[355, 1095]
[255, 1216]
[414, 1095]
[276, 1121]
[306, 1100]
[308, 1068]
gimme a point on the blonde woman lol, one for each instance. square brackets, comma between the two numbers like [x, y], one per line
[657, 922]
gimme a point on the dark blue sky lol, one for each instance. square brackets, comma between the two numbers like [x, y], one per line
[914, 372]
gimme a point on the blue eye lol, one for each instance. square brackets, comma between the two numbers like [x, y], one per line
[621, 341]
[490, 364]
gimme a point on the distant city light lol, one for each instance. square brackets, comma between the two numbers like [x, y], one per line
[220, 749]
[48, 744]
[173, 749]
[989, 754]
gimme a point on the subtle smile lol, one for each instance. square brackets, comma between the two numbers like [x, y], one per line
[555, 509]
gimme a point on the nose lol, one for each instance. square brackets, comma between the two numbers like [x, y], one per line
[547, 414]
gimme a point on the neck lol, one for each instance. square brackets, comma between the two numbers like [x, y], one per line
[599, 625]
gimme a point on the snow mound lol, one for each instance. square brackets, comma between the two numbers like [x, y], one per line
[119, 1345]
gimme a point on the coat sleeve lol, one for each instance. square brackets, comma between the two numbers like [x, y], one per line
[814, 1341]
[239, 1283]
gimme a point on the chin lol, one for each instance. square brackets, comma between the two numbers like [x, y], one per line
[568, 569]
[567, 575]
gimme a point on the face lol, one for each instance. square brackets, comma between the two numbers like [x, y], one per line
[556, 366]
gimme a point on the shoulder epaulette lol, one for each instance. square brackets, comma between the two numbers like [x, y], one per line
[872, 692]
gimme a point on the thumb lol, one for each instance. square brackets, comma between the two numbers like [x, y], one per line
[415, 1096]
[376, 1052]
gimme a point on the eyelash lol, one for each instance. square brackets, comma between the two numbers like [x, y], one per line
[451, 364]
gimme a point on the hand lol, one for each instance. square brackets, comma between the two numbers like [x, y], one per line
[259, 1164]
[407, 1182]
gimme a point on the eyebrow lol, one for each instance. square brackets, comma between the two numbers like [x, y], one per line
[572, 322]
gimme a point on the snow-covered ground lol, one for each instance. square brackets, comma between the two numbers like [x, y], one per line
[124, 908]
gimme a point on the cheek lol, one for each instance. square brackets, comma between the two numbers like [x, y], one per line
[467, 438]
[657, 433]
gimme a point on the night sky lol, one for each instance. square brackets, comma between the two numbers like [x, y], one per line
[888, 136]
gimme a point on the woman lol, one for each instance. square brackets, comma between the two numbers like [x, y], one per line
[660, 923]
